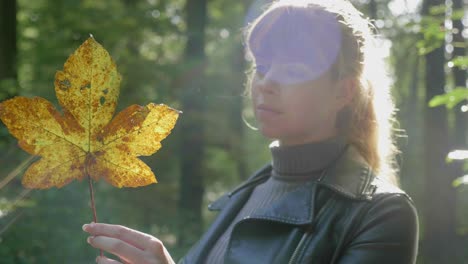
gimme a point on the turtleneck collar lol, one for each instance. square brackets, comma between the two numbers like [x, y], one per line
[303, 162]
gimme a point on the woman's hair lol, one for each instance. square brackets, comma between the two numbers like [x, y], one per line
[367, 122]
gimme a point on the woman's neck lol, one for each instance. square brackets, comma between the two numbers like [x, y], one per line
[305, 161]
[294, 141]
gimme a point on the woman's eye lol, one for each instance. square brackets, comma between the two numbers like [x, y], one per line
[261, 69]
[293, 73]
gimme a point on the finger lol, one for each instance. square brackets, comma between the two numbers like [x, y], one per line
[117, 247]
[124, 261]
[104, 260]
[137, 239]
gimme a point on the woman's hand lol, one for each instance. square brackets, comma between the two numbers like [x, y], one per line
[131, 246]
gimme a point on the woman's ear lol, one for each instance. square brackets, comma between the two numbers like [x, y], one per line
[345, 92]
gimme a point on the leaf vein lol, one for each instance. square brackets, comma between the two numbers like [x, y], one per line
[63, 163]
[117, 165]
[105, 146]
[41, 126]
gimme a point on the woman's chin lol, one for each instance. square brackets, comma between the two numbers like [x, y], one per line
[269, 132]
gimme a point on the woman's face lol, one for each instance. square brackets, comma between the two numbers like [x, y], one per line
[298, 110]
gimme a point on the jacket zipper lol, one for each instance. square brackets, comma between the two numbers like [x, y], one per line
[299, 246]
[307, 234]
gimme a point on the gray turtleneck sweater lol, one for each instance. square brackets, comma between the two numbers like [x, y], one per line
[292, 166]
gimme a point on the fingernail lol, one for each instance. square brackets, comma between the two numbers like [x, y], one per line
[85, 226]
[89, 239]
[97, 259]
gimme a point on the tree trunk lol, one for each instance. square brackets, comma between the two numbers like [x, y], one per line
[372, 9]
[192, 125]
[439, 214]
[237, 109]
[8, 53]
[235, 114]
[459, 135]
[8, 50]
[460, 76]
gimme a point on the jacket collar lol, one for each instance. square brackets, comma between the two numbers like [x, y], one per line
[349, 176]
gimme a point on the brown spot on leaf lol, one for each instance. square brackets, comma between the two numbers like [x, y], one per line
[100, 137]
[86, 86]
[124, 148]
[64, 85]
[99, 153]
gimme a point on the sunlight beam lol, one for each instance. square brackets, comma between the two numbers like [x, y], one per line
[16, 171]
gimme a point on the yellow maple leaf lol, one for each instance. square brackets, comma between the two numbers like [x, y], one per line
[85, 139]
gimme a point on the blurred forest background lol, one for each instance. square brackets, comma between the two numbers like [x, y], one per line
[189, 55]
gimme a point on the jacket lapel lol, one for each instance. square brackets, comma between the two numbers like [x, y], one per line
[296, 207]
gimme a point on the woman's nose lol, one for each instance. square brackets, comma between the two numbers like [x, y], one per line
[267, 84]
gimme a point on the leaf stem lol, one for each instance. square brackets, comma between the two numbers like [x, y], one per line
[91, 192]
[93, 206]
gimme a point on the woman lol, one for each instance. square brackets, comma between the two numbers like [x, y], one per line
[329, 195]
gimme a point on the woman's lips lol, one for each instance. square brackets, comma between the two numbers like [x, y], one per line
[266, 112]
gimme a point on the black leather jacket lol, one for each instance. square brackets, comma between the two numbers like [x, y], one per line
[347, 216]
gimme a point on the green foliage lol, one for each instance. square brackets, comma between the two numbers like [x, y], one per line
[8, 88]
[459, 156]
[432, 30]
[433, 35]
[459, 181]
[460, 62]
[450, 99]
